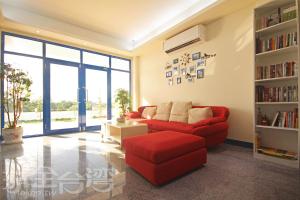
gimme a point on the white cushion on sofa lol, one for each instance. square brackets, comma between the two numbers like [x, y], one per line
[198, 114]
[179, 112]
[149, 112]
[163, 111]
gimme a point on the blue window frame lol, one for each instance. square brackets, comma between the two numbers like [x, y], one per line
[82, 64]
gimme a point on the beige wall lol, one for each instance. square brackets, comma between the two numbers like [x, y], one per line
[228, 77]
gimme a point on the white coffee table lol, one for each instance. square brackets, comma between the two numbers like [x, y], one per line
[118, 131]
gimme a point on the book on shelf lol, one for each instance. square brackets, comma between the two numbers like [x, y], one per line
[275, 119]
[276, 42]
[288, 13]
[278, 153]
[276, 94]
[287, 119]
[276, 70]
[271, 19]
[276, 16]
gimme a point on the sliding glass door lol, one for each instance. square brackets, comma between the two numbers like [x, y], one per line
[96, 97]
[63, 98]
[75, 99]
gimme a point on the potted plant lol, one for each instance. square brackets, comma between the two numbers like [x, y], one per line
[16, 91]
[122, 99]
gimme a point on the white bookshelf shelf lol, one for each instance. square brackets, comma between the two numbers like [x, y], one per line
[278, 27]
[277, 103]
[277, 79]
[277, 128]
[278, 160]
[278, 51]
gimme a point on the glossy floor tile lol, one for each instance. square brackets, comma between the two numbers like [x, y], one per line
[81, 166]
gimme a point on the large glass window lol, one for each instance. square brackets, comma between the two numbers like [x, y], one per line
[21, 45]
[121, 64]
[95, 59]
[62, 53]
[32, 117]
[68, 91]
[118, 80]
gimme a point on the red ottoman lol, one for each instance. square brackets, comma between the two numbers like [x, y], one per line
[160, 157]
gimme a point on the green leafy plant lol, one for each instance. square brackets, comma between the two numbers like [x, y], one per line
[16, 91]
[123, 100]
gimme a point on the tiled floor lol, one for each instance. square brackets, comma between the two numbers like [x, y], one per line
[79, 166]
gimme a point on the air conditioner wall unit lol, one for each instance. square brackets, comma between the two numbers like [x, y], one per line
[187, 37]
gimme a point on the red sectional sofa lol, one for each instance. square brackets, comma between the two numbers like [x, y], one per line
[214, 130]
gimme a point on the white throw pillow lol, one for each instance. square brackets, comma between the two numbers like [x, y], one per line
[179, 112]
[149, 112]
[198, 114]
[163, 111]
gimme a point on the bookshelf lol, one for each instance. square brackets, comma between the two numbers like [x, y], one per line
[276, 124]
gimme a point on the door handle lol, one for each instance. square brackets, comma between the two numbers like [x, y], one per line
[78, 90]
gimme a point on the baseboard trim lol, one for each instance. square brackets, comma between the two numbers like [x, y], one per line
[239, 143]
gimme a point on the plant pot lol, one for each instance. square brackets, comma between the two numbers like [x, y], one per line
[12, 135]
[121, 119]
[12, 151]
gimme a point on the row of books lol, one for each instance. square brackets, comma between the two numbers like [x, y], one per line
[276, 42]
[277, 16]
[276, 70]
[288, 119]
[276, 94]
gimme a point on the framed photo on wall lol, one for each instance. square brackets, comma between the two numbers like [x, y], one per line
[176, 70]
[183, 71]
[178, 80]
[175, 61]
[168, 74]
[200, 73]
[170, 81]
[201, 63]
[192, 69]
[196, 56]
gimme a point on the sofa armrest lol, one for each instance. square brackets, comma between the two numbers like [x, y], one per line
[209, 121]
[133, 115]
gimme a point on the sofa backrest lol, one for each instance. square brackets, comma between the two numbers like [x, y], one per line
[218, 111]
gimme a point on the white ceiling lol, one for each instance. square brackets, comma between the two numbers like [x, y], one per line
[124, 24]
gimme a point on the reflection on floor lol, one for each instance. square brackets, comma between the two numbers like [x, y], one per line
[80, 166]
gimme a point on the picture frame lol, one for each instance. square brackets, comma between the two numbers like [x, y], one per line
[176, 70]
[183, 71]
[200, 73]
[192, 69]
[201, 63]
[168, 74]
[175, 61]
[178, 80]
[170, 81]
[196, 56]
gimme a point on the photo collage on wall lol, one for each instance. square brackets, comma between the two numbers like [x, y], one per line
[187, 68]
